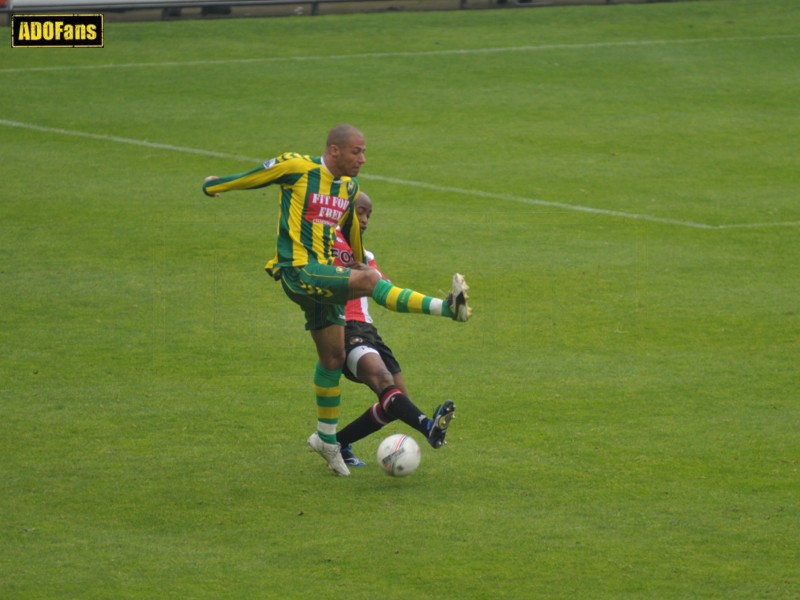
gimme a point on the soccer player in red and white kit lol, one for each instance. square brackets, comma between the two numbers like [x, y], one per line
[370, 361]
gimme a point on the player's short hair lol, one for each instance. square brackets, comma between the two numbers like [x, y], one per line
[339, 135]
[362, 198]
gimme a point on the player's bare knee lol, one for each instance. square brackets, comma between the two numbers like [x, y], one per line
[385, 379]
[332, 359]
[377, 380]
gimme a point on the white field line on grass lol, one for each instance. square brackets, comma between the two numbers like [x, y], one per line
[404, 182]
[421, 53]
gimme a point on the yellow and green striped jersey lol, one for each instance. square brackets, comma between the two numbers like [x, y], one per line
[312, 205]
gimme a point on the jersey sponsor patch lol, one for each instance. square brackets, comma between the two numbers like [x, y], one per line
[344, 256]
[326, 209]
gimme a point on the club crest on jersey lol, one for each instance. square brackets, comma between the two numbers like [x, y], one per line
[270, 163]
[351, 187]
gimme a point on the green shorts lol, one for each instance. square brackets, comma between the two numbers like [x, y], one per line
[320, 290]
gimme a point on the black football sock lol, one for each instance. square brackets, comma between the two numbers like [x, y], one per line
[399, 406]
[371, 421]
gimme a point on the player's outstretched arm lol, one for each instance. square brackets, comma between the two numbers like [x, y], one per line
[255, 178]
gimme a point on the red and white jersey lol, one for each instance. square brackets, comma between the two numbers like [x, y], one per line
[358, 308]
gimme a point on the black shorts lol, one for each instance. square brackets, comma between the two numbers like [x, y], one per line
[357, 336]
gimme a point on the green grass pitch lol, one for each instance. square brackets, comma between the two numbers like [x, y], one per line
[618, 183]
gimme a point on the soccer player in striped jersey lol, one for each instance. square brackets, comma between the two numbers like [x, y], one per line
[370, 361]
[316, 196]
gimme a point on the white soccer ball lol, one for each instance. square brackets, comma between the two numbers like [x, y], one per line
[399, 455]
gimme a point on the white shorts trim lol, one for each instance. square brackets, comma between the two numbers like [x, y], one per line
[356, 354]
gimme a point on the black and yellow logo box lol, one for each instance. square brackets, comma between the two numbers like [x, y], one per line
[57, 31]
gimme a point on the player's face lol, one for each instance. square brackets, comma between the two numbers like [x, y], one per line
[363, 213]
[350, 157]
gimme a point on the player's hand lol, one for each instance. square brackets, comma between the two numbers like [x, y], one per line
[206, 180]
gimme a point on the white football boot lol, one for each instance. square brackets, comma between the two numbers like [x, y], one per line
[457, 299]
[330, 452]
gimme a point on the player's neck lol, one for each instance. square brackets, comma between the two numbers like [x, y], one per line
[335, 176]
